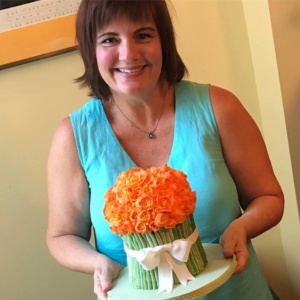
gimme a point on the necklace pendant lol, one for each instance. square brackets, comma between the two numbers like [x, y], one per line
[151, 135]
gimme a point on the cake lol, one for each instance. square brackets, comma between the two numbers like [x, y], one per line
[152, 210]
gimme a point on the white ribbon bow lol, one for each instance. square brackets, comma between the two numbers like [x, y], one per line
[168, 258]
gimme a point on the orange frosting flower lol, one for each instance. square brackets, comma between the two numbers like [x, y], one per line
[147, 200]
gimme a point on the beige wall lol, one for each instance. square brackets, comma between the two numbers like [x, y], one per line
[33, 99]
[213, 39]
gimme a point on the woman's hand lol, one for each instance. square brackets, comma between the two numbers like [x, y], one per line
[234, 242]
[105, 273]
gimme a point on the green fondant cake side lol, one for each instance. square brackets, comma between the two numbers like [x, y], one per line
[140, 278]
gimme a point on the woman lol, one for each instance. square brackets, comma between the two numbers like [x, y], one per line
[143, 114]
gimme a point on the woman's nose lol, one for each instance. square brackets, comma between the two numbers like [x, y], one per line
[128, 51]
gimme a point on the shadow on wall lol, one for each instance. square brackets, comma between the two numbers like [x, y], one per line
[293, 128]
[285, 17]
[295, 17]
[293, 115]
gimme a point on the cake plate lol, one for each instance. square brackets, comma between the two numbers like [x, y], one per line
[216, 273]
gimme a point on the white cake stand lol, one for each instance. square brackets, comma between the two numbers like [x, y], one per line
[216, 273]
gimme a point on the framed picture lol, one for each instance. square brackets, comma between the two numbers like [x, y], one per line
[34, 29]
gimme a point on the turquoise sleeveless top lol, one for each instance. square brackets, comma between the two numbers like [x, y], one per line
[197, 151]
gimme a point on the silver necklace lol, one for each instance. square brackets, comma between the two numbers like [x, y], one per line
[151, 133]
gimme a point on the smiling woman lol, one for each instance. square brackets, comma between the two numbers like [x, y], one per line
[99, 14]
[143, 114]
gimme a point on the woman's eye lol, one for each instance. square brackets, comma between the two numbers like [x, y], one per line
[143, 36]
[108, 41]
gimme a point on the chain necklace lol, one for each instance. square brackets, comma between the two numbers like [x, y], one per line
[151, 133]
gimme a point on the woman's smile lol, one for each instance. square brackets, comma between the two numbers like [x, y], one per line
[133, 70]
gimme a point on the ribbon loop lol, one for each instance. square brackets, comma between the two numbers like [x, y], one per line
[167, 258]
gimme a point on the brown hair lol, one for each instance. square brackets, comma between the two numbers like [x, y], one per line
[94, 14]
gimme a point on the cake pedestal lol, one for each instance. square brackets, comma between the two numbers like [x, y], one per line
[217, 272]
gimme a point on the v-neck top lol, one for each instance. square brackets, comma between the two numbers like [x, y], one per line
[197, 151]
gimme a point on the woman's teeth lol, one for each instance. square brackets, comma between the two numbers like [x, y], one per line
[134, 70]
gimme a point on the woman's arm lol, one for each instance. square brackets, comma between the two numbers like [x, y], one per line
[246, 156]
[69, 223]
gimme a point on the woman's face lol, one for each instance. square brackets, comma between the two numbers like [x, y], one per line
[129, 57]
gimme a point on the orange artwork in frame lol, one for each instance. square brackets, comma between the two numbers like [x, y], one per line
[38, 40]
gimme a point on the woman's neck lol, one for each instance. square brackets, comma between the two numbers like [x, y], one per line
[143, 109]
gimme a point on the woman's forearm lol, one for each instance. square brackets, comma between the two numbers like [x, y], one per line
[75, 253]
[261, 214]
